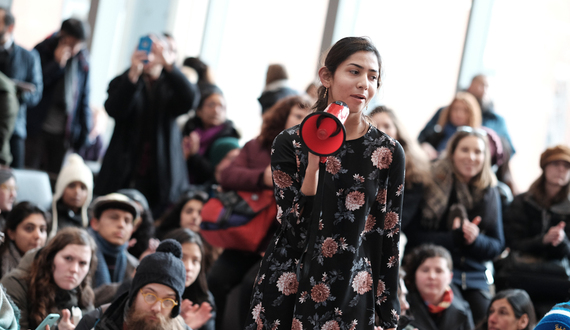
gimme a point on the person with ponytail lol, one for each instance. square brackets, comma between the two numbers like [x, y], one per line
[335, 266]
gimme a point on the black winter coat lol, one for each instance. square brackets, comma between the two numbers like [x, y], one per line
[457, 316]
[130, 104]
[526, 222]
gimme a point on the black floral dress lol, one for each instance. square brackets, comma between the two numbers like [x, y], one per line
[340, 270]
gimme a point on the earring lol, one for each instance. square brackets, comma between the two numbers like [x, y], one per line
[326, 92]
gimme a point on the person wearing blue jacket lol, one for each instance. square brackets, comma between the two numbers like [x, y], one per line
[23, 68]
[62, 119]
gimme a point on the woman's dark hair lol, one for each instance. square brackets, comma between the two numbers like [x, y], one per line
[41, 286]
[197, 292]
[275, 119]
[23, 210]
[201, 68]
[418, 256]
[338, 53]
[18, 214]
[171, 219]
[520, 303]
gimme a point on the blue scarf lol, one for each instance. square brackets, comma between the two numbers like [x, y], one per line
[102, 275]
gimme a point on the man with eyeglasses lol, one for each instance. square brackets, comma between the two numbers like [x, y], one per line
[154, 298]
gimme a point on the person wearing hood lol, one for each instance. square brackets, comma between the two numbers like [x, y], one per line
[73, 194]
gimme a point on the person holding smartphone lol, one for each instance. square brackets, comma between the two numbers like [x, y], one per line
[144, 152]
[55, 279]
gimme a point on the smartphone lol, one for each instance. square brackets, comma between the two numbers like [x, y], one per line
[50, 320]
[145, 44]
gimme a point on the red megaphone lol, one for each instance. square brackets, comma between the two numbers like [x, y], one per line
[323, 131]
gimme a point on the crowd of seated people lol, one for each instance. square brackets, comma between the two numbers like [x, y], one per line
[478, 254]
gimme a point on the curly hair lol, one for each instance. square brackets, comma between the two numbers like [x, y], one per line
[275, 119]
[41, 286]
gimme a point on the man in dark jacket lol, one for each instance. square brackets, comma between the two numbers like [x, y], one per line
[154, 300]
[145, 151]
[62, 119]
[24, 68]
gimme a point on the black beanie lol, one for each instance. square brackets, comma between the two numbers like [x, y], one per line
[165, 267]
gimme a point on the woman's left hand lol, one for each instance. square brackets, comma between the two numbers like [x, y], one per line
[195, 316]
[65, 322]
[471, 230]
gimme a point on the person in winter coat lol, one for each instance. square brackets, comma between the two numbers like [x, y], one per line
[62, 119]
[435, 303]
[24, 70]
[154, 300]
[200, 132]
[73, 194]
[55, 279]
[26, 229]
[462, 212]
[537, 227]
[144, 152]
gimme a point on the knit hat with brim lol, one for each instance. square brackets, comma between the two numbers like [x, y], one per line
[164, 267]
[559, 152]
[558, 318]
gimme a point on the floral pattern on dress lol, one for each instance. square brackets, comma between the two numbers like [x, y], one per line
[349, 273]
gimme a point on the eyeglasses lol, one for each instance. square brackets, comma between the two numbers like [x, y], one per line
[470, 129]
[151, 299]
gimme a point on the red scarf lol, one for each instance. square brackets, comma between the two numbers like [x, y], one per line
[444, 304]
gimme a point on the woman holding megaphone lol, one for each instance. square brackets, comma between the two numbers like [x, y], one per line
[333, 263]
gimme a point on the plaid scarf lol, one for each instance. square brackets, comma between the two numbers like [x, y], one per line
[444, 304]
[437, 195]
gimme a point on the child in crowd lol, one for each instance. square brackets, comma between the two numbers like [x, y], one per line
[26, 229]
[73, 194]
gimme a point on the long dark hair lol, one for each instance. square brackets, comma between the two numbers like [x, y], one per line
[171, 219]
[197, 292]
[520, 303]
[275, 118]
[338, 53]
[41, 286]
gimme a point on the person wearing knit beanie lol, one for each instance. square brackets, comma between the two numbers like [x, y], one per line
[73, 194]
[557, 319]
[155, 297]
